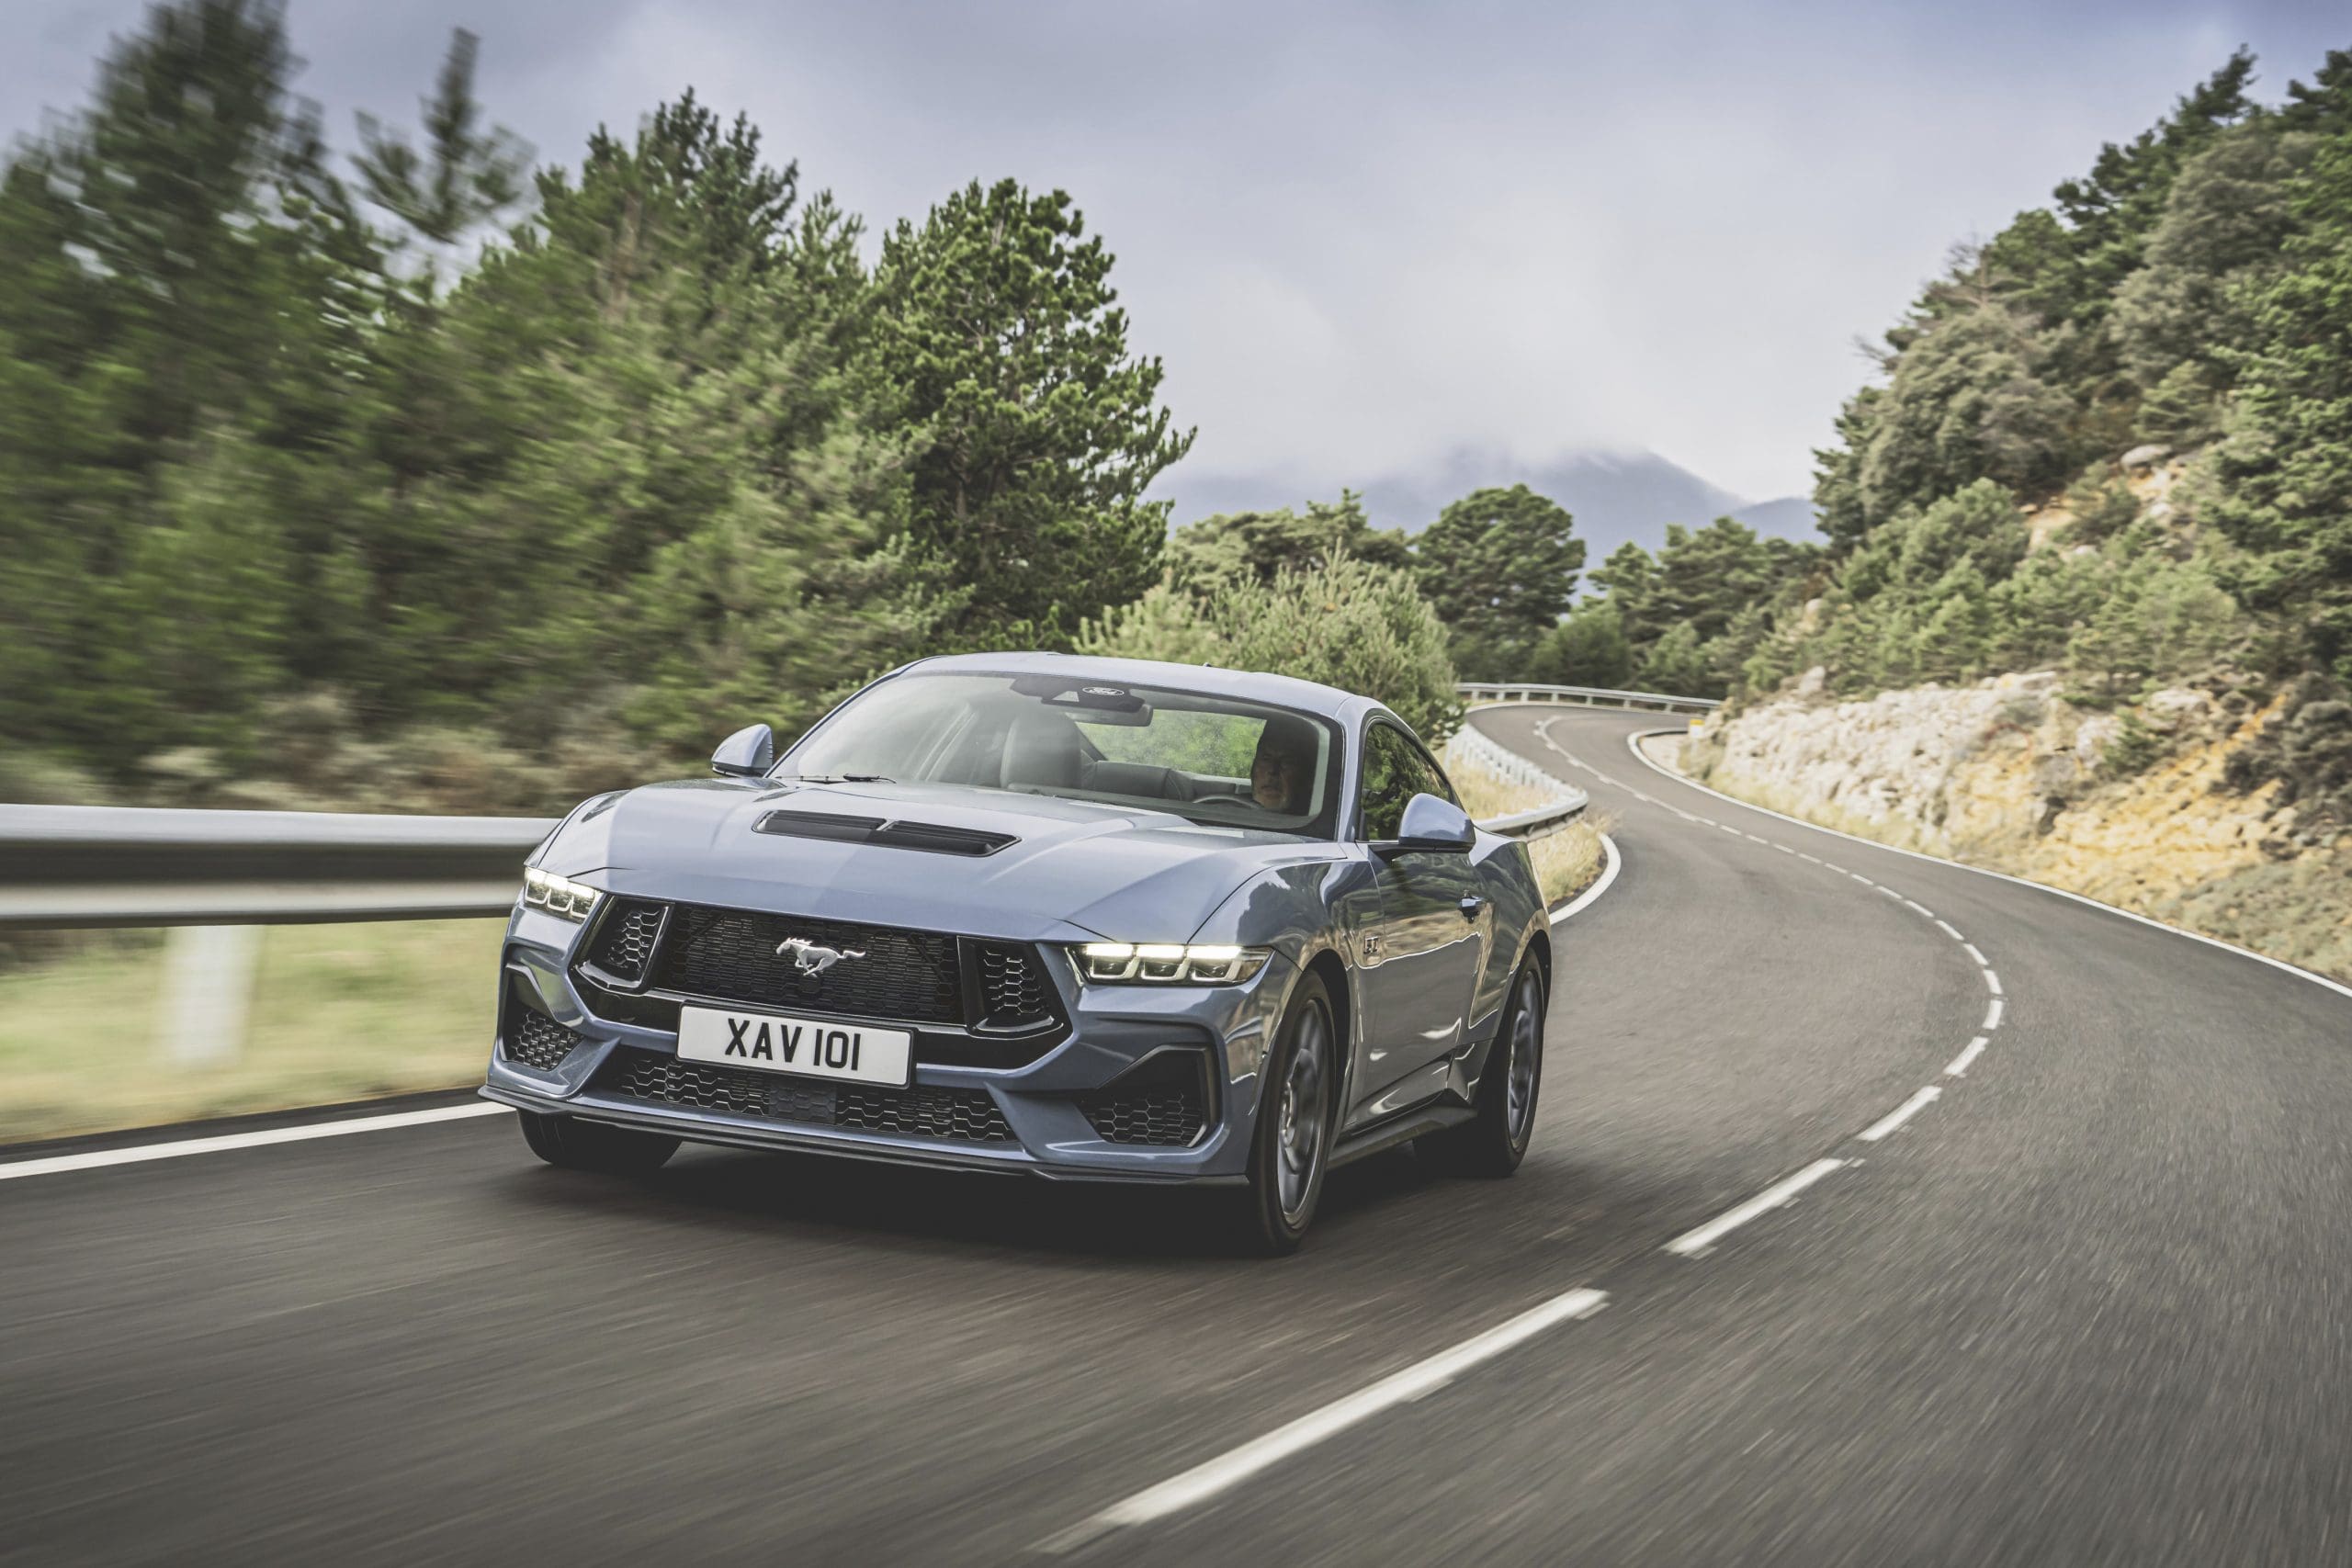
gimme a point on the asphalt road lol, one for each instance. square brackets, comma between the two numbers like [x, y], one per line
[2087, 1304]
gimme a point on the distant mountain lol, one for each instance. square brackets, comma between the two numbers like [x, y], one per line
[1614, 496]
[1790, 517]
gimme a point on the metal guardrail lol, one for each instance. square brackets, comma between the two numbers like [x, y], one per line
[63, 866]
[1473, 748]
[1480, 693]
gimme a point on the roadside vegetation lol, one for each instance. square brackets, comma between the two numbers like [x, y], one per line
[339, 1012]
[1569, 860]
[421, 474]
[2112, 440]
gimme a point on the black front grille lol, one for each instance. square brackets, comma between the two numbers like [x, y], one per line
[1014, 992]
[731, 956]
[623, 944]
[537, 1040]
[1163, 1101]
[963, 1115]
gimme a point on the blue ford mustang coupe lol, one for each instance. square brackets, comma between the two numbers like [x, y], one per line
[1092, 919]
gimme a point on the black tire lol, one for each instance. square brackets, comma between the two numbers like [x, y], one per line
[1298, 1107]
[1495, 1140]
[574, 1144]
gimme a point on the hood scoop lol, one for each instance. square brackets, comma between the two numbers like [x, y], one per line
[935, 836]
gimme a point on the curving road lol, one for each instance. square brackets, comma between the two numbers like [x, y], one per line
[2087, 1303]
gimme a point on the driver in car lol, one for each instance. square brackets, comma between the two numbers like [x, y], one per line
[1284, 768]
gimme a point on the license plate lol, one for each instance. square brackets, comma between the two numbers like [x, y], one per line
[806, 1048]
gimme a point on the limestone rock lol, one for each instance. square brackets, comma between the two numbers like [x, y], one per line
[2147, 457]
[2174, 708]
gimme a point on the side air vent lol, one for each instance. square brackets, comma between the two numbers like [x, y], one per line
[936, 838]
[621, 950]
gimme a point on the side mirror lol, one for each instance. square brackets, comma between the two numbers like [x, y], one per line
[747, 753]
[1434, 824]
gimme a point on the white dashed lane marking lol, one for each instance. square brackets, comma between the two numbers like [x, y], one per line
[1696, 1244]
[1899, 1115]
[1960, 1063]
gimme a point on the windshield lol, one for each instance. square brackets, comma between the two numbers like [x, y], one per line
[1219, 761]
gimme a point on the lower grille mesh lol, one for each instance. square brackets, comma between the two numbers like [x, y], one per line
[962, 1115]
[1161, 1102]
[537, 1040]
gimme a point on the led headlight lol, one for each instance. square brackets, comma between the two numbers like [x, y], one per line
[1169, 963]
[557, 895]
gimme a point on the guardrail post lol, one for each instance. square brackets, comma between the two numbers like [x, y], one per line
[208, 993]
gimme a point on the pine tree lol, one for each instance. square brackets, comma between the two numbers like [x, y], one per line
[1501, 567]
[1040, 431]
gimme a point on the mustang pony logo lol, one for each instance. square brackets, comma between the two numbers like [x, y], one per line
[811, 959]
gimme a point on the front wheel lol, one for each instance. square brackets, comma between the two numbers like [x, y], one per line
[1297, 1101]
[1495, 1139]
[573, 1145]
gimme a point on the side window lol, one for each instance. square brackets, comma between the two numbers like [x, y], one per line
[1392, 775]
[1438, 784]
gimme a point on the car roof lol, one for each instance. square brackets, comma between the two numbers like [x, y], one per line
[1208, 679]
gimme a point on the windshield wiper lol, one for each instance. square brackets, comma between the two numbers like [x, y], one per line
[836, 778]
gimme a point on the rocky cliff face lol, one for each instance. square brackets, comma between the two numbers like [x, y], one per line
[2131, 808]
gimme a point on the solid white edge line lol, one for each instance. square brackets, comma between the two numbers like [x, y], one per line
[2338, 986]
[1692, 1243]
[1993, 981]
[138, 1154]
[1899, 1115]
[1611, 861]
[1991, 1016]
[1959, 1067]
[1204, 1481]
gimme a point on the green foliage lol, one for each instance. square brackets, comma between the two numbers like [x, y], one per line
[467, 177]
[1216, 551]
[2288, 465]
[1674, 664]
[1039, 431]
[1348, 622]
[1500, 568]
[2194, 289]
[2134, 750]
[1589, 648]
[660, 459]
[2102, 508]
[1720, 585]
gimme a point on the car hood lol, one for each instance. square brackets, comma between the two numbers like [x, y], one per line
[1075, 870]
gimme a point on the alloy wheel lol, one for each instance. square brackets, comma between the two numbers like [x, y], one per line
[1299, 1136]
[1526, 1048]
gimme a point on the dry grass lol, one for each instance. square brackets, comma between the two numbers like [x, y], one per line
[340, 1012]
[1567, 861]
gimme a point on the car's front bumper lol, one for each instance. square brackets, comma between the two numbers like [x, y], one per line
[1039, 1125]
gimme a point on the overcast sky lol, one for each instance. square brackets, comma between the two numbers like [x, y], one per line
[1363, 237]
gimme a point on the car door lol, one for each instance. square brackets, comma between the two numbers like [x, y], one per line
[1419, 965]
